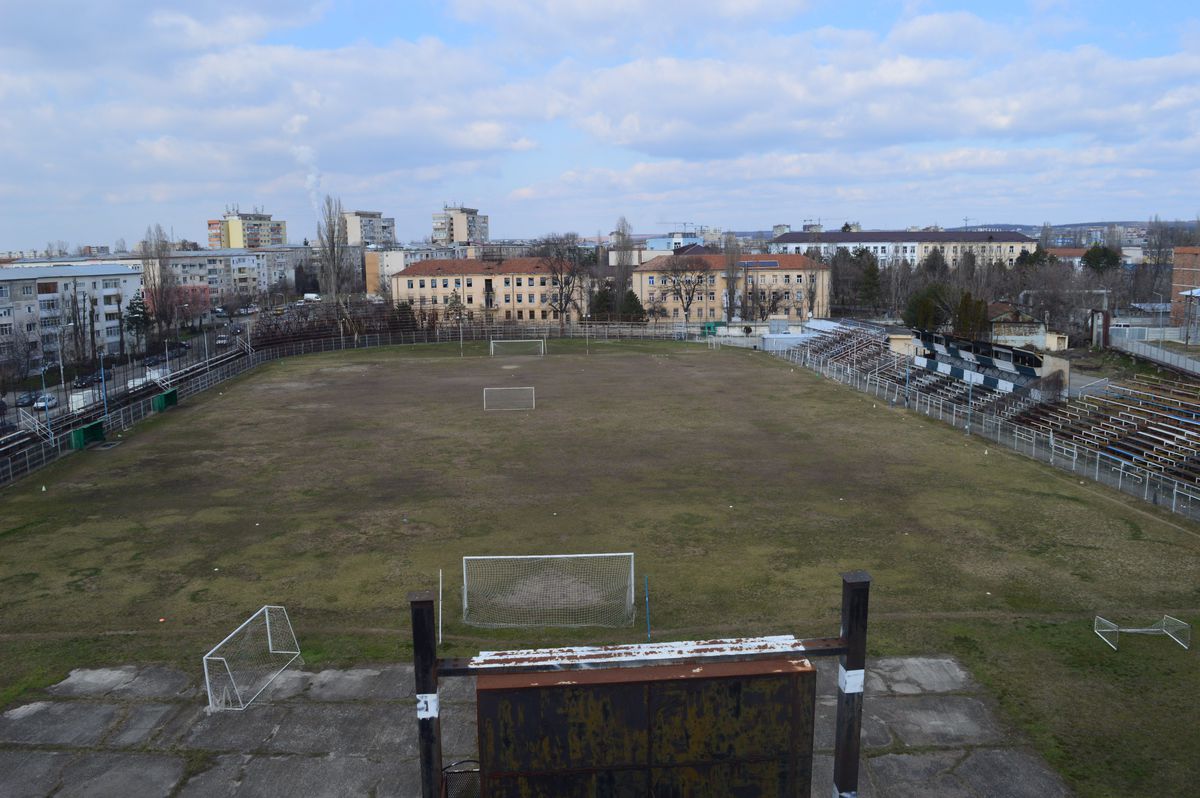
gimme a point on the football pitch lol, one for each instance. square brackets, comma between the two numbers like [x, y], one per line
[335, 484]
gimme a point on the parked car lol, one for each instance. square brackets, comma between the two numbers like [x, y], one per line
[48, 367]
[219, 312]
[84, 381]
[237, 330]
[45, 401]
[26, 399]
[154, 360]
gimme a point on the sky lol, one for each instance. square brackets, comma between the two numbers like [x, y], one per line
[563, 115]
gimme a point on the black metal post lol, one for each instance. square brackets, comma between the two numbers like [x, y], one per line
[425, 670]
[856, 587]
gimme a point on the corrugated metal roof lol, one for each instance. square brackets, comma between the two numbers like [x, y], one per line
[67, 271]
[576, 656]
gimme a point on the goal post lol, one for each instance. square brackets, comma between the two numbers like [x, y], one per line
[564, 590]
[523, 398]
[241, 666]
[500, 347]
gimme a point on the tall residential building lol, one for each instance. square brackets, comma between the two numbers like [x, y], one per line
[246, 231]
[459, 225]
[369, 228]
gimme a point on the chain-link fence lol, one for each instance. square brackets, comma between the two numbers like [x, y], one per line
[1156, 488]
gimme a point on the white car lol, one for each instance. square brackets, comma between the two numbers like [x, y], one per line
[46, 401]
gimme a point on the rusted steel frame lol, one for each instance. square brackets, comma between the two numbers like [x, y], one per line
[856, 588]
[425, 670]
[811, 647]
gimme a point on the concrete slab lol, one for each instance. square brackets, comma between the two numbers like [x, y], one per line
[918, 775]
[93, 682]
[454, 689]
[1010, 773]
[222, 780]
[875, 732]
[178, 726]
[247, 730]
[120, 775]
[30, 774]
[73, 723]
[383, 730]
[331, 776]
[362, 684]
[917, 675]
[460, 732]
[156, 681]
[287, 685]
[945, 721]
[141, 723]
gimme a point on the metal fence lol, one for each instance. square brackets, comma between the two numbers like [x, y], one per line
[1159, 354]
[1150, 486]
[204, 374]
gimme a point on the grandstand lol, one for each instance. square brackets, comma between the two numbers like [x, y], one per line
[1150, 422]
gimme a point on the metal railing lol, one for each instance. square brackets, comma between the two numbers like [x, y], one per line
[1151, 486]
[1158, 354]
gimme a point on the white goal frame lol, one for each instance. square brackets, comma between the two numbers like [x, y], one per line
[525, 594]
[235, 673]
[541, 346]
[511, 393]
[1177, 630]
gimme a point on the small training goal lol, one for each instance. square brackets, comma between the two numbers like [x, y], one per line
[1177, 630]
[241, 666]
[509, 398]
[549, 590]
[518, 346]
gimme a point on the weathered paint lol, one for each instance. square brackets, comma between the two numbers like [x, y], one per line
[610, 656]
[711, 728]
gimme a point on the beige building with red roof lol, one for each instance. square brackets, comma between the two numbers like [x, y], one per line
[517, 289]
[794, 286]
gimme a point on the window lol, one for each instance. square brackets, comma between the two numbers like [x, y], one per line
[112, 316]
[458, 282]
[543, 314]
[27, 290]
[787, 278]
[507, 282]
[445, 282]
[520, 314]
[112, 331]
[422, 283]
[5, 313]
[507, 298]
[508, 314]
[112, 283]
[3, 291]
[518, 281]
[712, 279]
[470, 299]
[712, 296]
[520, 298]
[6, 329]
[675, 313]
[543, 281]
[410, 285]
[543, 299]
[650, 281]
[532, 298]
[30, 326]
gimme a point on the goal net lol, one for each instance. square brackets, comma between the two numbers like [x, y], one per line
[509, 399]
[519, 346]
[244, 663]
[549, 590]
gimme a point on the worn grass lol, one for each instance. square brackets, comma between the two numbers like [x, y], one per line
[335, 484]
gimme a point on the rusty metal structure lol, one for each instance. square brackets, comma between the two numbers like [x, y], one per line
[733, 716]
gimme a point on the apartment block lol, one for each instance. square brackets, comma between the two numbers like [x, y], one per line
[246, 231]
[894, 246]
[78, 307]
[369, 229]
[459, 225]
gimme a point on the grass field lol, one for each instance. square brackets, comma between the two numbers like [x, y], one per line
[335, 484]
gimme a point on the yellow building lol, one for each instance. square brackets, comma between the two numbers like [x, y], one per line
[518, 289]
[246, 231]
[794, 286]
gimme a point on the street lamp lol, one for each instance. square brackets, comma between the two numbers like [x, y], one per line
[587, 341]
[62, 378]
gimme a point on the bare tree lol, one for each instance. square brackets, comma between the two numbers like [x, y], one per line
[622, 267]
[160, 288]
[119, 246]
[685, 277]
[566, 264]
[733, 271]
[333, 251]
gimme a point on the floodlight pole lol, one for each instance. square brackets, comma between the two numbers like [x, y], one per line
[856, 588]
[425, 671]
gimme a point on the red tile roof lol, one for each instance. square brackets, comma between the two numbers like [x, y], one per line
[463, 266]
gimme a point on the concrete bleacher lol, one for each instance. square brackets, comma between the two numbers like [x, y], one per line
[1150, 422]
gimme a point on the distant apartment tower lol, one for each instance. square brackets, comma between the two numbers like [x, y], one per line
[246, 231]
[369, 228]
[459, 225]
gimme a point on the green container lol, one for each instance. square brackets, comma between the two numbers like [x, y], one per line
[88, 433]
[164, 400]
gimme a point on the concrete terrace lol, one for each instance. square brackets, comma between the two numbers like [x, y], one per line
[928, 729]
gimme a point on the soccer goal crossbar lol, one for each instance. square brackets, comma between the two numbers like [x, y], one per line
[517, 346]
[241, 666]
[1177, 630]
[565, 590]
[509, 398]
